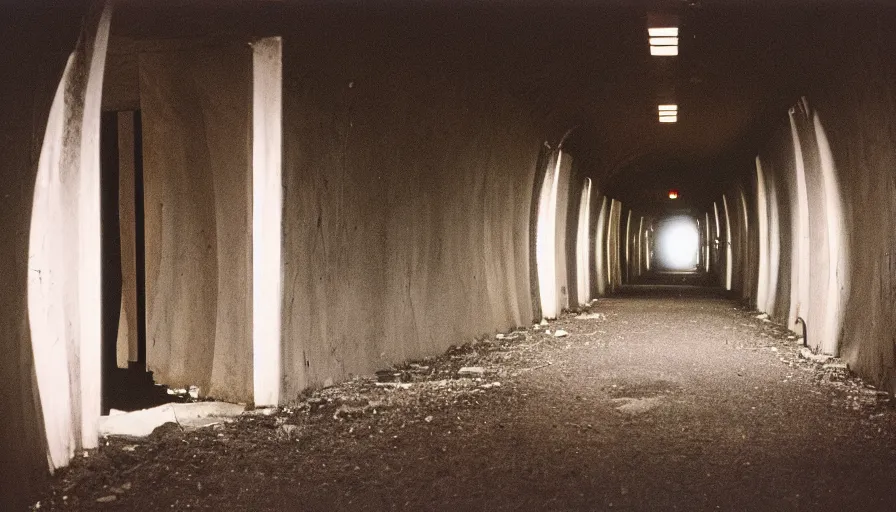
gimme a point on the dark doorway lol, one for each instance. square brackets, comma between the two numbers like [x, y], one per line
[126, 383]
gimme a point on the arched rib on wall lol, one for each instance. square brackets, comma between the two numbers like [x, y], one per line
[64, 284]
[762, 284]
[545, 238]
[583, 246]
[838, 255]
[799, 289]
[729, 259]
[600, 250]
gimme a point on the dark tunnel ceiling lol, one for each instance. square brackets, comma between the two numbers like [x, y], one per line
[574, 64]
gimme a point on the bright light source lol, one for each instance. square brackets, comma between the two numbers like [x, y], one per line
[673, 194]
[664, 51]
[663, 41]
[678, 243]
[663, 31]
[668, 113]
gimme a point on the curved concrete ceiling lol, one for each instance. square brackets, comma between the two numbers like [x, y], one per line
[577, 65]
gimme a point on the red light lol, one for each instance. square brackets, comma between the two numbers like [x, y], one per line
[673, 194]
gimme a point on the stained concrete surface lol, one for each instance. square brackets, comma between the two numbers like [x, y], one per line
[675, 399]
[197, 125]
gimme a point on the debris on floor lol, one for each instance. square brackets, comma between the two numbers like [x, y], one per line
[471, 371]
[189, 415]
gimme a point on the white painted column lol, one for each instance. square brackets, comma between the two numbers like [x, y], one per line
[799, 260]
[838, 284]
[628, 245]
[729, 264]
[600, 240]
[267, 223]
[583, 246]
[762, 214]
[545, 238]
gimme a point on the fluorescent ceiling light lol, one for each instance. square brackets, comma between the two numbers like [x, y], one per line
[667, 108]
[664, 41]
[663, 31]
[668, 119]
[664, 51]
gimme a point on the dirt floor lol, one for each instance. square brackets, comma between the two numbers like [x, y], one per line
[653, 401]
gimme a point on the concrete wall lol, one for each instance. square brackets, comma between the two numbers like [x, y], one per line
[406, 204]
[197, 166]
[827, 172]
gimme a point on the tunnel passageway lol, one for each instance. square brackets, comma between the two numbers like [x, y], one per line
[268, 202]
[670, 398]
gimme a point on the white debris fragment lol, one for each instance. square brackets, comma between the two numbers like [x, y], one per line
[194, 392]
[591, 316]
[560, 333]
[193, 415]
[396, 385]
[543, 322]
[805, 353]
[471, 371]
[428, 419]
[265, 411]
[762, 316]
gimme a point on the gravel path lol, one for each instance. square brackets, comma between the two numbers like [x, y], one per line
[669, 401]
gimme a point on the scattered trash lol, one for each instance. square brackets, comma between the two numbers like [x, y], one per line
[591, 316]
[428, 419]
[194, 392]
[762, 316]
[544, 322]
[560, 333]
[107, 499]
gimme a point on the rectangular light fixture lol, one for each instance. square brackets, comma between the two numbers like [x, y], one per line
[663, 41]
[664, 51]
[668, 112]
[663, 31]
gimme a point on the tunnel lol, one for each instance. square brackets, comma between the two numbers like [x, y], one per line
[261, 199]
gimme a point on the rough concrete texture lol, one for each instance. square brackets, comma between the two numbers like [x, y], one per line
[846, 138]
[406, 204]
[197, 127]
[64, 291]
[27, 95]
